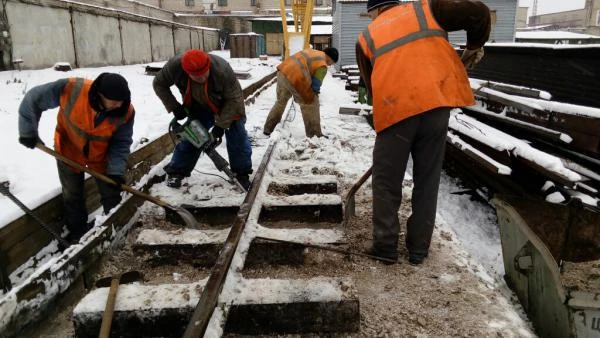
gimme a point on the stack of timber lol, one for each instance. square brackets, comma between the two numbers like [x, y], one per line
[351, 74]
[538, 159]
[569, 72]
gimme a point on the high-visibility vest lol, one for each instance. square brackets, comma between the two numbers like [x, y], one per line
[415, 69]
[299, 69]
[75, 127]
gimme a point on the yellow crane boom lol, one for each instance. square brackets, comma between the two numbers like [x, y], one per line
[299, 38]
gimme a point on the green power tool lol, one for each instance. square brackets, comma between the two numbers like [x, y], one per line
[194, 132]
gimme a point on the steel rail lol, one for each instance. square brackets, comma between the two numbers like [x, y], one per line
[210, 294]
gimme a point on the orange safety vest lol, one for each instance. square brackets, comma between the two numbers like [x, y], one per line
[415, 69]
[75, 127]
[299, 69]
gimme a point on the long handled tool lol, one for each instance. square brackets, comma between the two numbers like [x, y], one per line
[109, 310]
[185, 215]
[4, 189]
[327, 248]
[194, 132]
[349, 210]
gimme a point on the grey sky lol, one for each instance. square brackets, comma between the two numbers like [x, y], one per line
[553, 6]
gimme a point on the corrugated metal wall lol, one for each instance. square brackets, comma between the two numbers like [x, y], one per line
[505, 12]
[347, 24]
[335, 31]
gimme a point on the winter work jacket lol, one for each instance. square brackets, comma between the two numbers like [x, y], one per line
[224, 93]
[392, 60]
[301, 69]
[99, 140]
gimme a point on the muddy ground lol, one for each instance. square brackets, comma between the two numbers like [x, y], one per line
[445, 297]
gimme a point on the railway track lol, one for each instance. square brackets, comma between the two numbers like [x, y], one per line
[195, 280]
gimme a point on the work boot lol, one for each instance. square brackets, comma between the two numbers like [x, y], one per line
[244, 180]
[390, 256]
[416, 258]
[77, 231]
[174, 181]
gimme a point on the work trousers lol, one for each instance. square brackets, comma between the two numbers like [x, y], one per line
[73, 194]
[424, 137]
[310, 111]
[239, 151]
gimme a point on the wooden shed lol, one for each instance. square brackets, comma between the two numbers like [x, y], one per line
[247, 45]
[320, 34]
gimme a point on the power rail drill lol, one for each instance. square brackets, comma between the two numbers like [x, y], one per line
[194, 132]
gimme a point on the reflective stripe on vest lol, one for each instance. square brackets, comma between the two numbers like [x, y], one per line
[305, 68]
[424, 32]
[69, 109]
[403, 86]
[299, 69]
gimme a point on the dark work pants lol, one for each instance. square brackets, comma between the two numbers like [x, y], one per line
[424, 137]
[73, 194]
[239, 150]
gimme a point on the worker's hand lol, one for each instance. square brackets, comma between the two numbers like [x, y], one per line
[471, 57]
[217, 133]
[180, 113]
[30, 141]
[119, 179]
[316, 86]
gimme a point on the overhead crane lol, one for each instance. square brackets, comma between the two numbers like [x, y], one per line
[298, 39]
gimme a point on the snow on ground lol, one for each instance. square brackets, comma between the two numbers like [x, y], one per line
[348, 149]
[22, 167]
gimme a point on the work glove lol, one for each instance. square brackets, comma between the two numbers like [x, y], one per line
[30, 141]
[180, 113]
[471, 57]
[316, 86]
[217, 133]
[119, 179]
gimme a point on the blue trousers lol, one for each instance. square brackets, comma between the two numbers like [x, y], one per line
[185, 155]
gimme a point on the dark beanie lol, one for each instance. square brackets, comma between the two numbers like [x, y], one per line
[332, 53]
[372, 4]
[112, 86]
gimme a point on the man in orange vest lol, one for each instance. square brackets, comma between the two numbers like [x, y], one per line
[94, 128]
[301, 76]
[415, 78]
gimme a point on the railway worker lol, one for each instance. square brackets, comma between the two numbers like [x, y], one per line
[212, 94]
[415, 78]
[301, 76]
[94, 128]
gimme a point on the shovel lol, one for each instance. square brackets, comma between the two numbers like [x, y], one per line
[114, 282]
[185, 215]
[349, 211]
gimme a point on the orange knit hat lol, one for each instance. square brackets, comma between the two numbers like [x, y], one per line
[195, 62]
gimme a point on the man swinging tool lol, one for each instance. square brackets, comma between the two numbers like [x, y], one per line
[213, 96]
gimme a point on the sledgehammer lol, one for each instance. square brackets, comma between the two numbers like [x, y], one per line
[114, 282]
